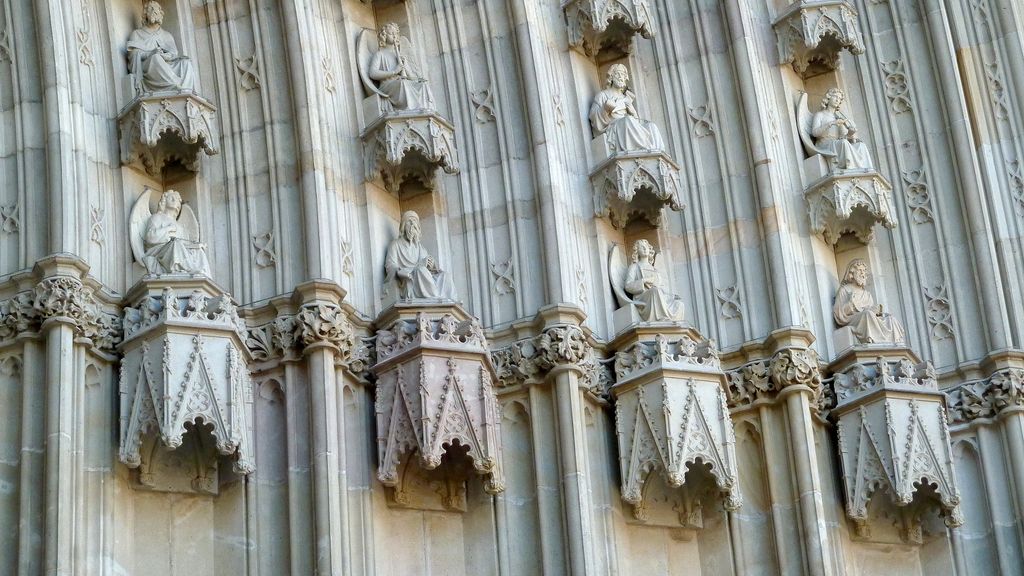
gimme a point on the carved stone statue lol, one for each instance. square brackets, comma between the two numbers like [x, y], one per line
[392, 72]
[153, 57]
[642, 287]
[855, 308]
[833, 134]
[167, 241]
[613, 114]
[411, 269]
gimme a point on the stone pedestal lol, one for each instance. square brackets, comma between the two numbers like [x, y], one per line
[671, 421]
[399, 145]
[435, 401]
[893, 437]
[812, 33]
[849, 201]
[185, 393]
[594, 25]
[633, 184]
[160, 127]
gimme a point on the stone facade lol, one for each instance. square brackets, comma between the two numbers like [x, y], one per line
[511, 287]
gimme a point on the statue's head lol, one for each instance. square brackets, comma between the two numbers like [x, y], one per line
[389, 34]
[857, 273]
[170, 203]
[410, 228]
[152, 13]
[643, 252]
[833, 99]
[618, 77]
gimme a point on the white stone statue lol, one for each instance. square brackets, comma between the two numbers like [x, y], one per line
[833, 134]
[613, 114]
[641, 286]
[411, 269]
[855, 308]
[392, 72]
[153, 58]
[167, 241]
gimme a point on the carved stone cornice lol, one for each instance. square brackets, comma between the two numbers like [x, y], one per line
[567, 345]
[157, 128]
[850, 202]
[594, 25]
[812, 33]
[402, 145]
[987, 399]
[60, 299]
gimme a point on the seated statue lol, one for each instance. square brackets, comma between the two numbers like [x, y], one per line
[153, 58]
[167, 241]
[835, 135]
[393, 73]
[855, 308]
[642, 287]
[614, 115]
[411, 269]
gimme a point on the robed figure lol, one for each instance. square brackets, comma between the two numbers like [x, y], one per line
[645, 288]
[614, 114]
[153, 58]
[396, 74]
[855, 307]
[167, 241]
[836, 134]
[411, 268]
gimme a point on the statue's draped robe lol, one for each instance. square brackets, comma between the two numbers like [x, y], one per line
[410, 92]
[855, 308]
[161, 70]
[833, 137]
[411, 258]
[653, 304]
[624, 133]
[168, 254]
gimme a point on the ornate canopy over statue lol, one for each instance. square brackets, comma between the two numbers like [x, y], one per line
[855, 309]
[640, 286]
[153, 58]
[391, 71]
[614, 115]
[411, 269]
[167, 241]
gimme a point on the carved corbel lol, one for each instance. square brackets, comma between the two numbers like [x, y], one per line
[986, 399]
[400, 146]
[157, 128]
[63, 299]
[597, 25]
[893, 435]
[850, 202]
[530, 359]
[812, 33]
[636, 185]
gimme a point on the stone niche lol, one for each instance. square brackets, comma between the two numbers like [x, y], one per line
[842, 202]
[894, 440]
[635, 184]
[812, 33]
[158, 128]
[606, 27]
[185, 392]
[437, 415]
[675, 434]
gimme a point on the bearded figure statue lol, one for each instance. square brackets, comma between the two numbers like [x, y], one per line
[411, 269]
[855, 308]
[153, 58]
[614, 115]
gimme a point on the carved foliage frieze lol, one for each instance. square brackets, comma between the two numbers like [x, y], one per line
[594, 25]
[530, 359]
[64, 299]
[157, 128]
[285, 337]
[761, 380]
[812, 33]
[988, 398]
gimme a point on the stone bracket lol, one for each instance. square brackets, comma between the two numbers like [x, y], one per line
[636, 184]
[893, 435]
[594, 25]
[671, 418]
[812, 33]
[157, 128]
[850, 202]
[399, 146]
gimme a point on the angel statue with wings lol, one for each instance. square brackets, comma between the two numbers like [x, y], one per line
[153, 58]
[411, 268]
[167, 241]
[641, 285]
[391, 72]
[832, 134]
[614, 114]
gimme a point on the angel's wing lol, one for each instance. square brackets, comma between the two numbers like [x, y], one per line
[188, 224]
[617, 274]
[804, 122]
[364, 54]
[137, 223]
